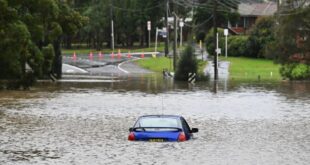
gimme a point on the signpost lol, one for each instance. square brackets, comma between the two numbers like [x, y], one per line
[156, 36]
[181, 24]
[149, 29]
[226, 34]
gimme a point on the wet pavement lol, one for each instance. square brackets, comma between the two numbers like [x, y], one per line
[87, 123]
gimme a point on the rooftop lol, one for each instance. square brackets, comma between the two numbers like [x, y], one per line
[257, 9]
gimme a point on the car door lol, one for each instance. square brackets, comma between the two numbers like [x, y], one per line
[186, 128]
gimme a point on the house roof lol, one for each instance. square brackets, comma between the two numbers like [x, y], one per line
[236, 30]
[257, 9]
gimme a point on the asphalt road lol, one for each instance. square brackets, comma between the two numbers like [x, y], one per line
[123, 65]
[103, 66]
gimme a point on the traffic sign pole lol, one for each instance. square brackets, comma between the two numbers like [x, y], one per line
[149, 29]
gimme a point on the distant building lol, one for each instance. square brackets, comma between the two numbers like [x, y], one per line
[249, 12]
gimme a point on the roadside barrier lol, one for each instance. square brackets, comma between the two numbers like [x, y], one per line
[74, 56]
[191, 77]
[100, 55]
[91, 56]
[119, 55]
[128, 55]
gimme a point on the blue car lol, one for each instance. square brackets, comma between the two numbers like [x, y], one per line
[161, 128]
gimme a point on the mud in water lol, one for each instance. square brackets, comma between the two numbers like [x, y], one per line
[243, 123]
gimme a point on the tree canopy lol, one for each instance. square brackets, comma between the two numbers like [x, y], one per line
[31, 33]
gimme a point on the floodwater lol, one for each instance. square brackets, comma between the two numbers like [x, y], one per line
[87, 122]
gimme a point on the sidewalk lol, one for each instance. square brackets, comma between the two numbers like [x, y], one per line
[223, 66]
[223, 69]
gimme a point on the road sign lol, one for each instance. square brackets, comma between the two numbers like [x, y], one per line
[148, 25]
[191, 78]
[181, 24]
[163, 32]
[226, 32]
[219, 51]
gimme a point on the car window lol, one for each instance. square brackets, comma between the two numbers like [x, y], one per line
[158, 122]
[185, 125]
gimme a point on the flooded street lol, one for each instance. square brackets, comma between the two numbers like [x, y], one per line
[87, 123]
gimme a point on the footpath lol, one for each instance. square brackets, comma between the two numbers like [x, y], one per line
[223, 66]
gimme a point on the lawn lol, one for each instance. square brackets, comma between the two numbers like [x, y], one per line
[160, 63]
[248, 68]
[241, 68]
[156, 64]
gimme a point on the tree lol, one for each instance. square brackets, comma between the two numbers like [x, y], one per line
[186, 64]
[226, 12]
[14, 42]
[292, 45]
[261, 35]
[31, 33]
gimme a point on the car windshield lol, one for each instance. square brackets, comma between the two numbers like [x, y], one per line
[158, 122]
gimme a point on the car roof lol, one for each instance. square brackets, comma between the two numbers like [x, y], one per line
[160, 116]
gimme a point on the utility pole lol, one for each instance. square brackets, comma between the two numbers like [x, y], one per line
[181, 32]
[112, 25]
[167, 31]
[215, 40]
[175, 42]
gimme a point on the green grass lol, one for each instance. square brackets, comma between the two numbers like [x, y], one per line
[240, 68]
[248, 68]
[201, 66]
[160, 63]
[156, 64]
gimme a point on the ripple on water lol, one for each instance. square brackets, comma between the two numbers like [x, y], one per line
[243, 126]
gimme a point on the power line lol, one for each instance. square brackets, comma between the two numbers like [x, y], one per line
[136, 10]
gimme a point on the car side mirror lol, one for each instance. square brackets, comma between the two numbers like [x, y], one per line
[130, 129]
[194, 130]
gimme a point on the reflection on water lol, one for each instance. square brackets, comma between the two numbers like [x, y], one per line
[79, 123]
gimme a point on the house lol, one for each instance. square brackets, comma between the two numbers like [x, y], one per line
[249, 12]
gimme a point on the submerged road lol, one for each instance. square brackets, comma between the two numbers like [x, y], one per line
[104, 66]
[87, 123]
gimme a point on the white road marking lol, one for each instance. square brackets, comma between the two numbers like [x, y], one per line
[74, 68]
[120, 64]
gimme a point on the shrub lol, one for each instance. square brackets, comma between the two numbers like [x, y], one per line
[186, 64]
[260, 36]
[237, 46]
[295, 71]
[49, 54]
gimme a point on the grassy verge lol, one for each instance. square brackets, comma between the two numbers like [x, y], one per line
[201, 66]
[160, 63]
[240, 68]
[248, 68]
[156, 64]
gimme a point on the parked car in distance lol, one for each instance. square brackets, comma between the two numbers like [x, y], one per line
[161, 128]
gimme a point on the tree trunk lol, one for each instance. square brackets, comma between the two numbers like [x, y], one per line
[68, 42]
[57, 64]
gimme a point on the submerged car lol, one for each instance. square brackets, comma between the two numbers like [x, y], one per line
[161, 128]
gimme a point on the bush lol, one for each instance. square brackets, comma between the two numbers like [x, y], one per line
[49, 54]
[295, 71]
[237, 46]
[200, 36]
[260, 36]
[187, 64]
